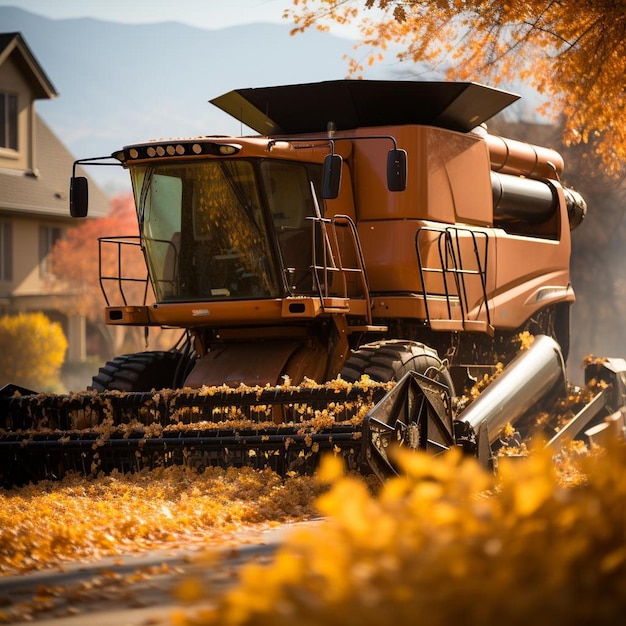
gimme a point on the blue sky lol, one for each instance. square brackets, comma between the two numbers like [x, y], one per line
[208, 14]
[91, 122]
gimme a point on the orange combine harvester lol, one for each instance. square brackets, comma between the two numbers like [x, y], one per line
[370, 232]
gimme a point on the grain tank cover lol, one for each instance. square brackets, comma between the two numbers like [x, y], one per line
[309, 107]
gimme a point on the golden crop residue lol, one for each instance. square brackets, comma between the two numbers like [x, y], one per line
[525, 340]
[49, 523]
[446, 541]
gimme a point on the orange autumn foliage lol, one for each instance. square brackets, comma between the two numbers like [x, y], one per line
[570, 52]
[74, 259]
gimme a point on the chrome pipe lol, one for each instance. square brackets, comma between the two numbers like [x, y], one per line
[528, 378]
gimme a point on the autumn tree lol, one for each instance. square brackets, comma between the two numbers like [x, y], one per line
[75, 263]
[573, 53]
[74, 260]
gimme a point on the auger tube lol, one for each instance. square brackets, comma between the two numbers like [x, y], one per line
[529, 377]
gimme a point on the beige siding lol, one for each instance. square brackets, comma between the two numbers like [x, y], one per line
[12, 82]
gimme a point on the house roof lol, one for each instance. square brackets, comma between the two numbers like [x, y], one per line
[349, 104]
[12, 44]
[46, 192]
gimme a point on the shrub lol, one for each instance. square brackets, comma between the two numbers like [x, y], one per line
[447, 544]
[33, 350]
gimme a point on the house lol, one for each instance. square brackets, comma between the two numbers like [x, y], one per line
[35, 169]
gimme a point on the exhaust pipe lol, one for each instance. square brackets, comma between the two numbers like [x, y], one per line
[529, 378]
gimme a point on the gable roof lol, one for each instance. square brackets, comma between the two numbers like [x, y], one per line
[13, 44]
[46, 192]
[350, 104]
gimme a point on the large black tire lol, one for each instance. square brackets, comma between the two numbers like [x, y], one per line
[389, 360]
[142, 371]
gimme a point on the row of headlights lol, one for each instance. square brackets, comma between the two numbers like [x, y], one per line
[190, 148]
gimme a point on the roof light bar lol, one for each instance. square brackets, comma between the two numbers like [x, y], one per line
[177, 149]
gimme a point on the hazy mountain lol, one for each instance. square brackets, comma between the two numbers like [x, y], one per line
[121, 83]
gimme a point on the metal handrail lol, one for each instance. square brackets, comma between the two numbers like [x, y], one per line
[119, 278]
[330, 264]
[451, 264]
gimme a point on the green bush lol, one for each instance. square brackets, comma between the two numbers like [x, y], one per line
[33, 350]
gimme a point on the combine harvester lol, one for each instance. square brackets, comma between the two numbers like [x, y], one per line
[340, 279]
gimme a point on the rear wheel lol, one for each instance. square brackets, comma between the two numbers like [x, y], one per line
[142, 371]
[390, 360]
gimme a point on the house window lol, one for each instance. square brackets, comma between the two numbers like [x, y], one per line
[48, 236]
[8, 121]
[6, 251]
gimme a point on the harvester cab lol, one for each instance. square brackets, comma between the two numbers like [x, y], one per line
[370, 229]
[365, 211]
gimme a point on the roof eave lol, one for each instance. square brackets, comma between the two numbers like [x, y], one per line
[15, 44]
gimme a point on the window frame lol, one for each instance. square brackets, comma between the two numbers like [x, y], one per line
[48, 236]
[9, 130]
[6, 250]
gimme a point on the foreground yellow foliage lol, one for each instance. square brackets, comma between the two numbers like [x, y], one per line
[448, 543]
[542, 541]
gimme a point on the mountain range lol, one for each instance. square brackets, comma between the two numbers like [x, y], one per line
[121, 83]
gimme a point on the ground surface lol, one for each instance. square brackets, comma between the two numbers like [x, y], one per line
[133, 590]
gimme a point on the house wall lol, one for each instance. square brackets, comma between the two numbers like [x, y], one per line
[12, 81]
[34, 181]
[28, 278]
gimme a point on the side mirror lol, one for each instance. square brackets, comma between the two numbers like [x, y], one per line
[79, 196]
[396, 170]
[332, 176]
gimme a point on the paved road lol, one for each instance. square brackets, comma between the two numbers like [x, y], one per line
[137, 590]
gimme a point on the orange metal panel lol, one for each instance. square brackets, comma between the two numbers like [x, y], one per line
[389, 248]
[389, 252]
[447, 180]
[532, 273]
[233, 313]
[256, 363]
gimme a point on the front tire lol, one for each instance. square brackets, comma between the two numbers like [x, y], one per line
[142, 371]
[389, 360]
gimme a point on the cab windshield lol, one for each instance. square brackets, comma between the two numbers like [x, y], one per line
[222, 229]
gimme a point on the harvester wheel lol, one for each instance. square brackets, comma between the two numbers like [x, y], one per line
[142, 371]
[390, 360]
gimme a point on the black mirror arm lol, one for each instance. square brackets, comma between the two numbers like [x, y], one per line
[79, 192]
